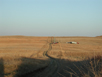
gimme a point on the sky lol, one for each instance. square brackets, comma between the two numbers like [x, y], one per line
[51, 17]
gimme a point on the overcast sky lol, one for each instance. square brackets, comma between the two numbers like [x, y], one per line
[51, 17]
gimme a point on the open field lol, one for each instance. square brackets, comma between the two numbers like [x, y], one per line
[23, 56]
[87, 47]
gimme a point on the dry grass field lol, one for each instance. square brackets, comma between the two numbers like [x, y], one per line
[21, 50]
[23, 56]
[87, 48]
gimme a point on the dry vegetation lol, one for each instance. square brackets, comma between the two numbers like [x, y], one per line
[81, 60]
[20, 55]
[87, 48]
[21, 51]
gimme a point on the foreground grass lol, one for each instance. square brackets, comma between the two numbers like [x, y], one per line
[21, 55]
[86, 68]
[20, 66]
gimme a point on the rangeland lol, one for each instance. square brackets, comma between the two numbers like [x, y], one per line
[23, 56]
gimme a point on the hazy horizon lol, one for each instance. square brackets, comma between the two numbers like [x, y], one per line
[51, 17]
[43, 36]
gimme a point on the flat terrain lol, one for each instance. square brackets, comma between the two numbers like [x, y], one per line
[23, 56]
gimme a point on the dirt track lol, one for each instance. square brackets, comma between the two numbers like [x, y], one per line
[59, 67]
[49, 71]
[38, 57]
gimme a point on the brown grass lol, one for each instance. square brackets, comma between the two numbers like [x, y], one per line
[15, 50]
[87, 47]
[27, 52]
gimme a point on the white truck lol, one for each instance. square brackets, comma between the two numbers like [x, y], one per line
[72, 42]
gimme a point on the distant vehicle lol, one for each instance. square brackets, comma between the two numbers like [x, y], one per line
[72, 42]
[54, 42]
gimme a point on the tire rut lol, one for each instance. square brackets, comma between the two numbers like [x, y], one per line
[48, 71]
[52, 69]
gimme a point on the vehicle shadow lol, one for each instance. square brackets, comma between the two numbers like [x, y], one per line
[1, 68]
[30, 66]
[66, 68]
